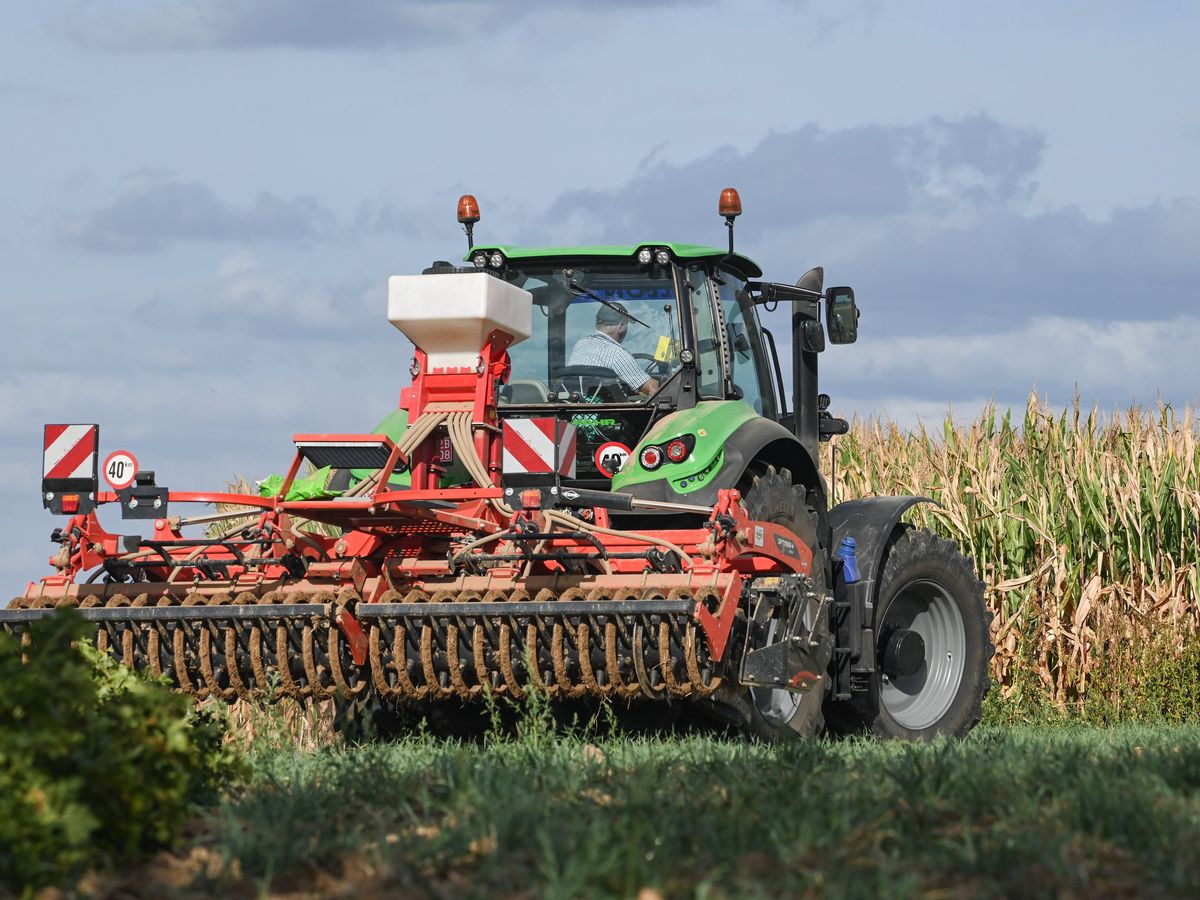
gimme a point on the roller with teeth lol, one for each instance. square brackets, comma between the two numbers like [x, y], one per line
[597, 487]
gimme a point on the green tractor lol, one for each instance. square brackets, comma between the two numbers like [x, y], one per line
[657, 355]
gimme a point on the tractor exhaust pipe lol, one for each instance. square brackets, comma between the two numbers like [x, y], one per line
[806, 322]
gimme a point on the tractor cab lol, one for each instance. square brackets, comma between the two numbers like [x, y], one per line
[623, 336]
[654, 358]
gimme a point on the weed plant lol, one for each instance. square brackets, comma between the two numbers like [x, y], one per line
[98, 765]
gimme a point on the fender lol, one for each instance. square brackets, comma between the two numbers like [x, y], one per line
[756, 439]
[871, 522]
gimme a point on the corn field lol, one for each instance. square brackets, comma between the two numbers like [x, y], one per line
[1086, 531]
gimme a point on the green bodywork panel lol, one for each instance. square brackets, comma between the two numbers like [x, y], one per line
[623, 251]
[712, 422]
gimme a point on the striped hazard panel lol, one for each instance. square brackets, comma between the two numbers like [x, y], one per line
[70, 467]
[70, 451]
[539, 447]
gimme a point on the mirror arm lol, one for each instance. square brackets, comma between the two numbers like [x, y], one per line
[769, 292]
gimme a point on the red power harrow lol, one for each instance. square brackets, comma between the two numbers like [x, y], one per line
[428, 592]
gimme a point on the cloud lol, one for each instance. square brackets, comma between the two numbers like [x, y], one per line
[873, 171]
[153, 212]
[1004, 266]
[935, 223]
[1110, 363]
[386, 217]
[259, 295]
[302, 24]
[969, 287]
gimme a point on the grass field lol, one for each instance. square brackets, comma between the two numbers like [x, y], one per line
[1008, 812]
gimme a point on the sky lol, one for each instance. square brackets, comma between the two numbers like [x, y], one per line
[202, 199]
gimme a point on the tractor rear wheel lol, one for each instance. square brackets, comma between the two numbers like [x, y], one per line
[770, 496]
[932, 645]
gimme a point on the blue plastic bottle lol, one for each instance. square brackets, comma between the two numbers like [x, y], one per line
[847, 552]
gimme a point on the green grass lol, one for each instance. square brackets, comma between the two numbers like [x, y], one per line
[1012, 811]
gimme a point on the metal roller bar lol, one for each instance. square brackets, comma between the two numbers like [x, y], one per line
[530, 608]
[219, 517]
[174, 613]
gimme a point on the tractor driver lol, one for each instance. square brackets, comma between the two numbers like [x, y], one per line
[602, 348]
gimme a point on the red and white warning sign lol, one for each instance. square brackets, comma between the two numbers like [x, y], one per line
[611, 457]
[539, 446]
[69, 451]
[120, 467]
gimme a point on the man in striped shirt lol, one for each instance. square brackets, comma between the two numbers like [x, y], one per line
[603, 348]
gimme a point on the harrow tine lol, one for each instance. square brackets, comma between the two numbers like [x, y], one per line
[568, 643]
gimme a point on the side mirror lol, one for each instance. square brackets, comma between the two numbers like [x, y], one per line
[841, 315]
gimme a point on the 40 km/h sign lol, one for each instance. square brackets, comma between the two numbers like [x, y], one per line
[611, 457]
[120, 467]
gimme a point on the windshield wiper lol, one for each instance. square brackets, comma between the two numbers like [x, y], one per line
[581, 291]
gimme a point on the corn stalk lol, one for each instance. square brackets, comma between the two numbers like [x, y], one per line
[1085, 529]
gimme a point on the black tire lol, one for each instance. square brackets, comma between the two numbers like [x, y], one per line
[770, 496]
[929, 588]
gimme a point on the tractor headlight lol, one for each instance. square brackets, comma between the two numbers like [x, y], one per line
[644, 256]
[480, 260]
[662, 257]
[496, 260]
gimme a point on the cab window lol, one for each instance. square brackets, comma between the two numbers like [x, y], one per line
[709, 373]
[569, 305]
[749, 370]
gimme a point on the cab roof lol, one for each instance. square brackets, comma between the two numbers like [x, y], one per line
[743, 264]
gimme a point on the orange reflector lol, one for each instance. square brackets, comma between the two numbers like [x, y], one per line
[70, 503]
[531, 498]
[468, 209]
[731, 203]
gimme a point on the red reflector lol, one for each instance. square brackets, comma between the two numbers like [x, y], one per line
[70, 503]
[677, 451]
[531, 498]
[651, 458]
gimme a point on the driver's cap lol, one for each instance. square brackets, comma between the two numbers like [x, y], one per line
[612, 314]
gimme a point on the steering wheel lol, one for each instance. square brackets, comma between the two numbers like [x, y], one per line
[657, 368]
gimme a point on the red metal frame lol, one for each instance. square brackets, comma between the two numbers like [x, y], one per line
[391, 541]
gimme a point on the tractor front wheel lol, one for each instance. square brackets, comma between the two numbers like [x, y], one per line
[770, 496]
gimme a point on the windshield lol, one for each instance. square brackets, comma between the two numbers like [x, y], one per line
[602, 333]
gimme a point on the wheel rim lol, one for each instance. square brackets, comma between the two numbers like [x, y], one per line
[920, 700]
